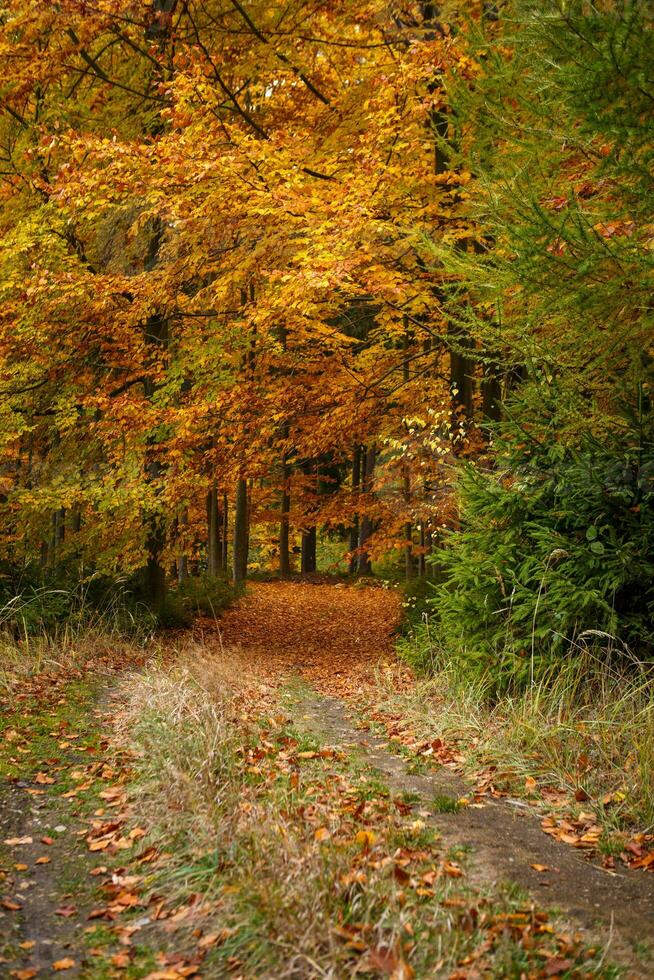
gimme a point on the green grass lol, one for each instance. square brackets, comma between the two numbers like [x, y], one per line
[305, 845]
[586, 728]
[442, 803]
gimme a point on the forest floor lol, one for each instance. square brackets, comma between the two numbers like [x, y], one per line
[238, 801]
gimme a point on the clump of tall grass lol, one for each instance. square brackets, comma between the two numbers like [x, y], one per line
[587, 723]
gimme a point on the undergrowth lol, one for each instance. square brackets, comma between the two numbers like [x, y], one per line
[586, 726]
[554, 554]
[310, 876]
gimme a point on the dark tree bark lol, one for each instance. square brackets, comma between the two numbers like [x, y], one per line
[492, 393]
[214, 527]
[284, 529]
[356, 486]
[240, 551]
[309, 541]
[462, 374]
[224, 563]
[364, 565]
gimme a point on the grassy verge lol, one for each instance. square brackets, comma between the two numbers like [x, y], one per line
[583, 737]
[293, 860]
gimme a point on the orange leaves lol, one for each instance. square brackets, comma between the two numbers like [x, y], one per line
[639, 852]
[320, 207]
[338, 632]
[582, 832]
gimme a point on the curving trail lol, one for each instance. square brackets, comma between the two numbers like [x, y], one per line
[337, 637]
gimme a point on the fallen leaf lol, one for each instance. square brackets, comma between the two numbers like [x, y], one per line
[42, 860]
[557, 965]
[66, 964]
[383, 959]
[452, 869]
[11, 905]
[17, 841]
[43, 779]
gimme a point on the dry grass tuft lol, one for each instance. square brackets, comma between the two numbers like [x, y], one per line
[586, 728]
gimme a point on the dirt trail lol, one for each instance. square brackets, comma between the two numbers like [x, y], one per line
[50, 921]
[334, 637]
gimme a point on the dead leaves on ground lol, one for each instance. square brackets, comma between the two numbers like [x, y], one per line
[576, 828]
[332, 635]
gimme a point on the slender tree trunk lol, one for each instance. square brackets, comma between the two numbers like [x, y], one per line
[356, 486]
[225, 536]
[214, 526]
[364, 565]
[309, 541]
[182, 564]
[422, 563]
[52, 546]
[462, 370]
[156, 336]
[284, 529]
[492, 393]
[408, 528]
[154, 575]
[240, 551]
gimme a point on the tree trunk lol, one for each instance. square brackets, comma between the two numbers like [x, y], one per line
[408, 552]
[364, 565]
[492, 393]
[284, 530]
[408, 528]
[309, 540]
[214, 525]
[182, 563]
[224, 562]
[156, 336]
[240, 551]
[356, 486]
[154, 574]
[424, 544]
[462, 371]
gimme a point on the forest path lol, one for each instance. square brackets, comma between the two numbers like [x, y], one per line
[297, 658]
[334, 639]
[333, 636]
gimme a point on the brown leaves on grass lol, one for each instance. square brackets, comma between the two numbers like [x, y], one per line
[582, 832]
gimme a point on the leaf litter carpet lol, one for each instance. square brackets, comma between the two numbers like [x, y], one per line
[333, 636]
